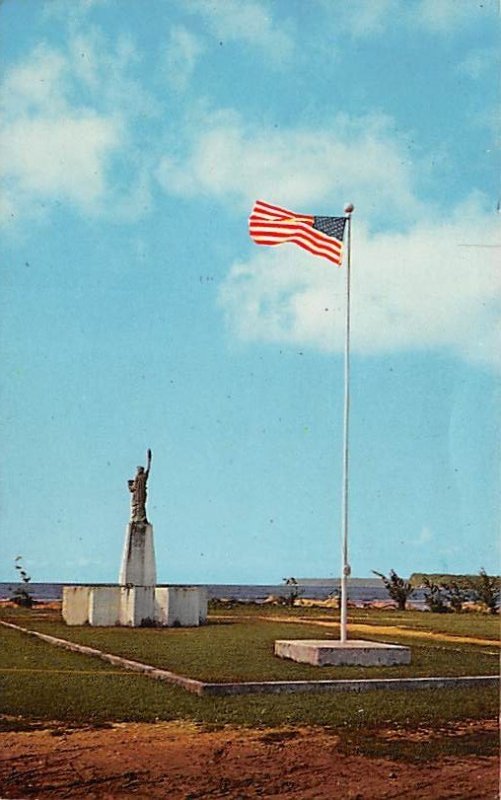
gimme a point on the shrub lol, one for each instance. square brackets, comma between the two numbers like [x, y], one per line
[486, 589]
[294, 591]
[434, 597]
[21, 595]
[455, 595]
[399, 589]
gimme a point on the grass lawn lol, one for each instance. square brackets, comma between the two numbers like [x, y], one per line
[233, 648]
[484, 626]
[41, 682]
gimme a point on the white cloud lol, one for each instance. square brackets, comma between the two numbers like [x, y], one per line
[63, 157]
[425, 536]
[246, 21]
[50, 148]
[307, 169]
[479, 62]
[183, 52]
[441, 16]
[35, 84]
[365, 18]
[65, 134]
[60, 9]
[413, 290]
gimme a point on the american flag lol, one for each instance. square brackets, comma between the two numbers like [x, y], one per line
[322, 236]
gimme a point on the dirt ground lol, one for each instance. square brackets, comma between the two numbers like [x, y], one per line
[181, 762]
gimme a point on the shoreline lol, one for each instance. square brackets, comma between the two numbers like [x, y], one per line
[279, 602]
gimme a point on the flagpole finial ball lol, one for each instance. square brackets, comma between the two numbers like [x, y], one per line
[348, 209]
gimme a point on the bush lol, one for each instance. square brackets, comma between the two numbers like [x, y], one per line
[486, 589]
[434, 597]
[455, 595]
[399, 589]
[21, 595]
[294, 591]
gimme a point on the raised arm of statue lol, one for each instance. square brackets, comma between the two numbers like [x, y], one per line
[148, 464]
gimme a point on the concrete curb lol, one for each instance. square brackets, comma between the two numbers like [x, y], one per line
[191, 685]
[347, 685]
[202, 688]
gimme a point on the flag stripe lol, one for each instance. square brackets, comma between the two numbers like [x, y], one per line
[286, 228]
[272, 225]
[316, 251]
[331, 253]
[272, 212]
[276, 237]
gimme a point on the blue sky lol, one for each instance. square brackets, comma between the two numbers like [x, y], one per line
[136, 312]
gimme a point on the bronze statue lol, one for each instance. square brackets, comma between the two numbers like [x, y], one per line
[137, 487]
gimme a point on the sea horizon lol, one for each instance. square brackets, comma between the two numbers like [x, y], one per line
[360, 590]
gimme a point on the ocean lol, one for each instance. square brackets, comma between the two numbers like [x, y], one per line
[359, 591]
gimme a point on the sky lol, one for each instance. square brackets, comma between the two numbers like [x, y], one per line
[136, 311]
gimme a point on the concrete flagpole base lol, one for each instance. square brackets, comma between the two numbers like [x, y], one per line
[332, 652]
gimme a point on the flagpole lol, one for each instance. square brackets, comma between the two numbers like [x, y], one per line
[346, 569]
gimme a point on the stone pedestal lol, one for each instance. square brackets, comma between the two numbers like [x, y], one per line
[138, 560]
[104, 606]
[354, 652]
[183, 606]
[135, 606]
[76, 604]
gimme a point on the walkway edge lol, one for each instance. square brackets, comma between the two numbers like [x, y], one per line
[191, 685]
[348, 685]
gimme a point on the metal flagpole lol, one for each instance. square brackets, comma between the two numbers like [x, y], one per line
[346, 569]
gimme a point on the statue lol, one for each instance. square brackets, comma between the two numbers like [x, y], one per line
[137, 487]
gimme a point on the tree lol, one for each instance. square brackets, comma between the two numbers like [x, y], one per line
[487, 589]
[399, 589]
[21, 595]
[434, 597]
[455, 595]
[294, 590]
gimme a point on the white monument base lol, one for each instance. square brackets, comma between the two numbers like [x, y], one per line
[354, 652]
[138, 559]
[135, 606]
[76, 604]
[181, 606]
[104, 606]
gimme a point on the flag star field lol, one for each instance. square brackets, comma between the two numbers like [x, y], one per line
[136, 311]
[332, 226]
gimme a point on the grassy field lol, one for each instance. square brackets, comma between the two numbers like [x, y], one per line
[467, 624]
[233, 648]
[40, 682]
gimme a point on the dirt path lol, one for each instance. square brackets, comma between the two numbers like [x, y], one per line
[180, 762]
[388, 630]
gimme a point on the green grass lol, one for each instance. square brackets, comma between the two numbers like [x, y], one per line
[484, 626]
[236, 649]
[41, 684]
[446, 743]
